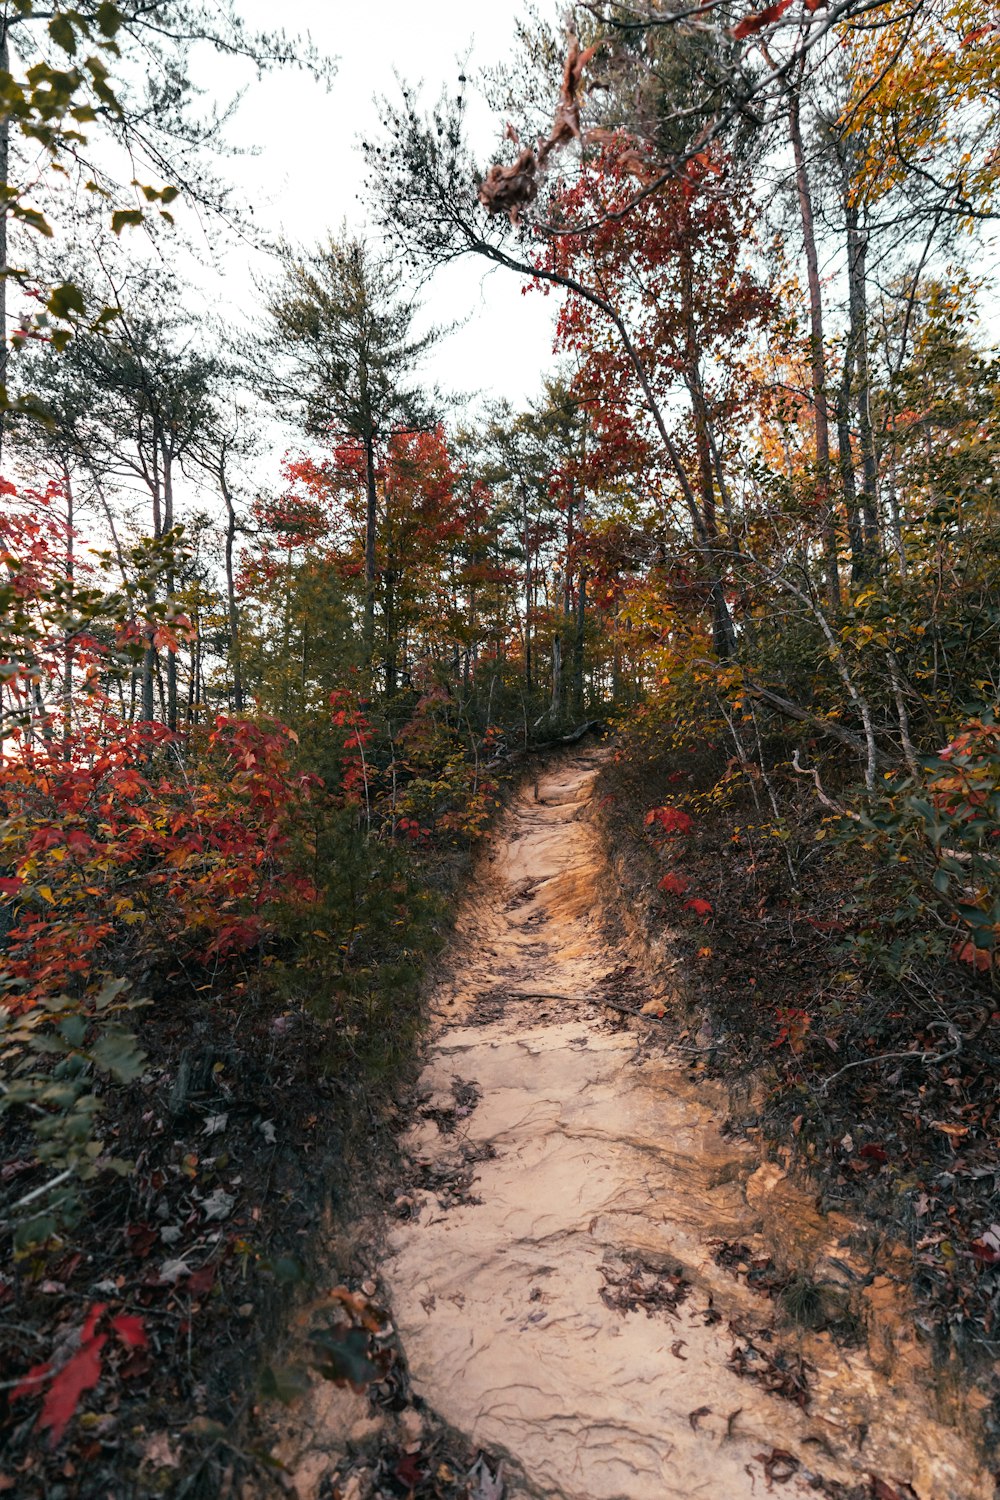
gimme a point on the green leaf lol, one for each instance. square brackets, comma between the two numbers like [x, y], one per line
[109, 992]
[34, 1232]
[108, 18]
[284, 1383]
[74, 1029]
[118, 1053]
[63, 33]
[342, 1356]
[34, 220]
[65, 300]
[125, 216]
[287, 1269]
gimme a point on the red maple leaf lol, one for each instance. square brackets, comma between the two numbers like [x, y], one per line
[699, 907]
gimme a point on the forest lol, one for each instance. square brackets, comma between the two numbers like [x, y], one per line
[286, 625]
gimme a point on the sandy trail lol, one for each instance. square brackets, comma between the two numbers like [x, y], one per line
[556, 1157]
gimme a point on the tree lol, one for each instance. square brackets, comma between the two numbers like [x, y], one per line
[342, 350]
[103, 88]
[125, 405]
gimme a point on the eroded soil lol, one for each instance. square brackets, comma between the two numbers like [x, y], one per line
[589, 1279]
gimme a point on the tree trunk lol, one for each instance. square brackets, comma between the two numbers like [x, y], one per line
[578, 644]
[857, 255]
[235, 660]
[168, 522]
[528, 588]
[846, 457]
[556, 706]
[391, 650]
[817, 350]
[68, 649]
[371, 519]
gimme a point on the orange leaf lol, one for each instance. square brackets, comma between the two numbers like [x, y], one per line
[977, 958]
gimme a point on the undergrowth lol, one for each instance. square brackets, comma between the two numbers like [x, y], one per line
[840, 1005]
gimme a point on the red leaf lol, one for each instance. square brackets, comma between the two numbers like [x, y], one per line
[94, 1313]
[670, 819]
[141, 1239]
[200, 1282]
[699, 907]
[77, 1376]
[31, 1382]
[408, 1470]
[131, 1330]
[674, 885]
[760, 18]
[874, 1153]
[10, 886]
[883, 1491]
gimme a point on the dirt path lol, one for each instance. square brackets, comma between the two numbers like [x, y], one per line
[556, 1288]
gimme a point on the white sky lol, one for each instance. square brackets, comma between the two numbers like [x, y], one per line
[308, 174]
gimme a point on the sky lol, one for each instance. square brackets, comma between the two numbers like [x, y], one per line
[307, 174]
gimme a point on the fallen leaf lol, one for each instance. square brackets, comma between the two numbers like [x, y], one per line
[483, 1484]
[408, 1470]
[284, 1383]
[883, 1491]
[201, 1281]
[78, 1376]
[218, 1205]
[173, 1270]
[159, 1453]
[779, 1465]
[130, 1330]
[342, 1356]
[700, 907]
